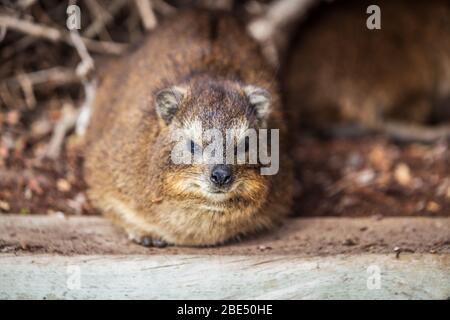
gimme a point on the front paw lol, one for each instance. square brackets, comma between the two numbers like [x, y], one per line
[147, 241]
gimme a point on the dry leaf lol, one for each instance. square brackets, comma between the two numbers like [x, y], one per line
[433, 206]
[63, 185]
[403, 174]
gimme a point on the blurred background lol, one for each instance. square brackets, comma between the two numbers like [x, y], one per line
[45, 78]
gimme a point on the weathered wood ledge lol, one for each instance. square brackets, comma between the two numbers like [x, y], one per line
[50, 257]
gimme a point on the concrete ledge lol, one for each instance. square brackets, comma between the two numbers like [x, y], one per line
[412, 276]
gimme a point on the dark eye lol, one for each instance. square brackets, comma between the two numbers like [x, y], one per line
[246, 146]
[193, 147]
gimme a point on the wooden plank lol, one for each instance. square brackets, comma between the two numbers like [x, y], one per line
[412, 276]
[300, 237]
[307, 258]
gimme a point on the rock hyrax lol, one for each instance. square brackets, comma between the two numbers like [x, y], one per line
[195, 72]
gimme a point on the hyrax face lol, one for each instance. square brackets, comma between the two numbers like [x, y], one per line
[213, 129]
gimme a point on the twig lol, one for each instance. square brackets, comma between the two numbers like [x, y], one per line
[84, 69]
[24, 4]
[90, 89]
[104, 19]
[105, 46]
[6, 96]
[2, 33]
[70, 117]
[87, 63]
[146, 12]
[163, 7]
[407, 133]
[56, 35]
[27, 88]
[31, 28]
[56, 76]
[98, 13]
[268, 29]
[66, 123]
[279, 14]
[95, 8]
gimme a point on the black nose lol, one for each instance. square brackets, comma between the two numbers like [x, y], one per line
[221, 175]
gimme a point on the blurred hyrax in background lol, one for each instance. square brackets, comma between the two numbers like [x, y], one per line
[343, 78]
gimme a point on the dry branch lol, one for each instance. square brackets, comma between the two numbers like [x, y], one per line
[24, 4]
[54, 76]
[270, 28]
[104, 19]
[90, 89]
[27, 88]
[279, 14]
[87, 63]
[66, 123]
[31, 28]
[84, 70]
[98, 13]
[55, 35]
[163, 7]
[147, 15]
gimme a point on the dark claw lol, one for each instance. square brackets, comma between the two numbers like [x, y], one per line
[146, 241]
[159, 243]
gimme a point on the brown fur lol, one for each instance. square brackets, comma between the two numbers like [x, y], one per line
[340, 72]
[128, 168]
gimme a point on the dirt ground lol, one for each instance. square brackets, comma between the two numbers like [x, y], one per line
[372, 176]
[53, 234]
[34, 185]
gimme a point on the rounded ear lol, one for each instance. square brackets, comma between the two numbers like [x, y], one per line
[168, 102]
[259, 99]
